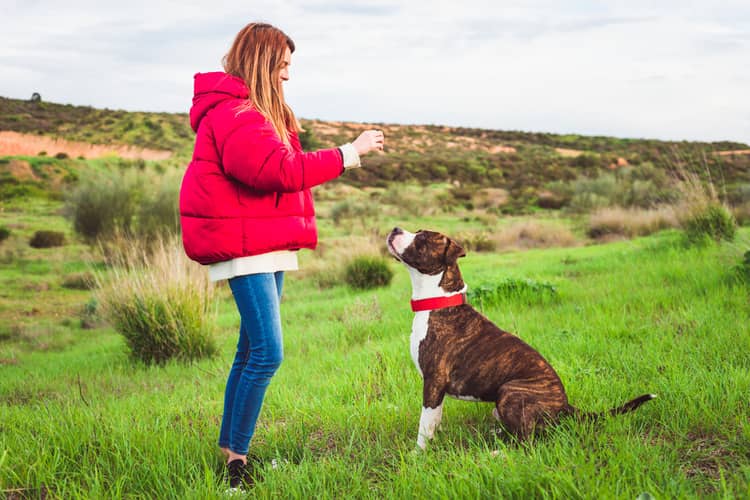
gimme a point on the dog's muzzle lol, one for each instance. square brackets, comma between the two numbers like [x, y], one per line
[389, 241]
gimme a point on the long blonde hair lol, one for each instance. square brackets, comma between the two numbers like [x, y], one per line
[256, 56]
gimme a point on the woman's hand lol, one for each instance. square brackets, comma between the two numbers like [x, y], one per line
[369, 140]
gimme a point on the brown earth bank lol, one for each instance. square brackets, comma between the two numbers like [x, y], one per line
[736, 152]
[15, 144]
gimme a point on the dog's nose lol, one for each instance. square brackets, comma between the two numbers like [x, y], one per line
[397, 230]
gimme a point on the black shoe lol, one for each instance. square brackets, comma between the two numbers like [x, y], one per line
[240, 474]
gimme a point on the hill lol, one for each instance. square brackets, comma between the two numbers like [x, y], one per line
[522, 163]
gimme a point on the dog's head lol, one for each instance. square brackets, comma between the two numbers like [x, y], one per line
[427, 253]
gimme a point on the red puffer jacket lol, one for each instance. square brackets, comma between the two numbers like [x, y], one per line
[245, 192]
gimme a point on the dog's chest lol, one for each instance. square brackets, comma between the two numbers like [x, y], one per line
[418, 333]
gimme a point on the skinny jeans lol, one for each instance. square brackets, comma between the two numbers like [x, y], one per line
[259, 354]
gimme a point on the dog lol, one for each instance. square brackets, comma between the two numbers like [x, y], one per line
[462, 354]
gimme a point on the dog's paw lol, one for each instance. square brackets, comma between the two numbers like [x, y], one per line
[418, 451]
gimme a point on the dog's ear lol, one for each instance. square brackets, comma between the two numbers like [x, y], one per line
[453, 251]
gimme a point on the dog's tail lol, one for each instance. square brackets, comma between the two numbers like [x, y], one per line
[626, 408]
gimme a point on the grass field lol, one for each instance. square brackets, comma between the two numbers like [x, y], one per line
[79, 419]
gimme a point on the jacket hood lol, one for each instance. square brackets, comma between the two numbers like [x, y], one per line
[210, 89]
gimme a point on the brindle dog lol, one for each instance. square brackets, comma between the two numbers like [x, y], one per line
[462, 354]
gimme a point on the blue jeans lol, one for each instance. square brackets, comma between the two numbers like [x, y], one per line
[259, 354]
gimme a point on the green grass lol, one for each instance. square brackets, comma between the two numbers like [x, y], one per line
[78, 419]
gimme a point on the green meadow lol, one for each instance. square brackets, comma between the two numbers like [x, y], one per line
[624, 296]
[80, 419]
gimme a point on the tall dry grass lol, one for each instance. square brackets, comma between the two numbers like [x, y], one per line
[701, 212]
[159, 300]
[532, 234]
[630, 222]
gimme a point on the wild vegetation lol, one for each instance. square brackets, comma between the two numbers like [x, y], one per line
[114, 349]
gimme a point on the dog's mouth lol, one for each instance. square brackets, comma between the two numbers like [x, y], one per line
[392, 249]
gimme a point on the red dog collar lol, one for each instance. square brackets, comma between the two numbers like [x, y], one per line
[438, 302]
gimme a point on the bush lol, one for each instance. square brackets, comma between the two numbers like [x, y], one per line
[89, 315]
[159, 211]
[133, 202]
[79, 281]
[590, 194]
[47, 239]
[473, 241]
[104, 205]
[714, 222]
[368, 272]
[308, 141]
[4, 233]
[160, 302]
[702, 214]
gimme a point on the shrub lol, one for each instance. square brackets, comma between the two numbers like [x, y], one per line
[79, 281]
[551, 200]
[104, 205]
[308, 141]
[160, 302]
[89, 315]
[366, 272]
[715, 222]
[476, 241]
[47, 239]
[701, 213]
[4, 233]
[590, 194]
[158, 213]
[491, 198]
[129, 202]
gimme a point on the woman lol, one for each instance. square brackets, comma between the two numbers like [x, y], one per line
[246, 207]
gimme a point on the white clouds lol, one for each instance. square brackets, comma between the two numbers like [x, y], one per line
[673, 70]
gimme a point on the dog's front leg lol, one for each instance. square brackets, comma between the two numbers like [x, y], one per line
[428, 422]
[432, 412]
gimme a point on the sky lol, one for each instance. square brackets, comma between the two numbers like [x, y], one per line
[672, 70]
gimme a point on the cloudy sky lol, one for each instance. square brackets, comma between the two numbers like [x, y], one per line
[677, 70]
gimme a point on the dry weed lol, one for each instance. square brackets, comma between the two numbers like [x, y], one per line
[630, 222]
[532, 234]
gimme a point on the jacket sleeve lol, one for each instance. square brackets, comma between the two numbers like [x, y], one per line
[254, 155]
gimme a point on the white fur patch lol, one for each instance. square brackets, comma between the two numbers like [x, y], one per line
[418, 333]
[424, 286]
[402, 241]
[428, 422]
